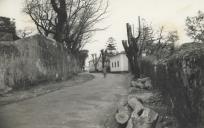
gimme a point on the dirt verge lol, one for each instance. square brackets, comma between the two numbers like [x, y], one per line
[42, 89]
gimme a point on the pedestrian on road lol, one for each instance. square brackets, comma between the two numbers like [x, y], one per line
[104, 72]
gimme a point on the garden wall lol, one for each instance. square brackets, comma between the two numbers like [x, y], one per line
[33, 60]
[181, 79]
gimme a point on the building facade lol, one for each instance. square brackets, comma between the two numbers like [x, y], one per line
[119, 63]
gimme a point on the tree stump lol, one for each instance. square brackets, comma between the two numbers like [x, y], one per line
[123, 114]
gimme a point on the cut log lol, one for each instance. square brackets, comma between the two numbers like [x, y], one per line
[142, 83]
[134, 103]
[129, 124]
[143, 80]
[144, 119]
[137, 84]
[133, 90]
[148, 84]
[123, 115]
[144, 97]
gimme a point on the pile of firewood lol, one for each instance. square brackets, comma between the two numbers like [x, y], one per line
[131, 112]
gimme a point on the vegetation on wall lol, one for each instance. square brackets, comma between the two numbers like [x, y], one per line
[180, 78]
[177, 72]
[24, 64]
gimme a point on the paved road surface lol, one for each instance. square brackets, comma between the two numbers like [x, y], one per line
[84, 106]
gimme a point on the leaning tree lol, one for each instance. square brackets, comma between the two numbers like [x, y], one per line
[71, 22]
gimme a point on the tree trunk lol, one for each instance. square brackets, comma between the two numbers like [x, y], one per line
[133, 50]
[61, 17]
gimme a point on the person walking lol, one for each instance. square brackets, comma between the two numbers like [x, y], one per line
[104, 72]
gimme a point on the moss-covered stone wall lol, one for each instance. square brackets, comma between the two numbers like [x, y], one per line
[33, 60]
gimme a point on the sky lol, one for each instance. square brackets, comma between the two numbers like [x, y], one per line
[168, 13]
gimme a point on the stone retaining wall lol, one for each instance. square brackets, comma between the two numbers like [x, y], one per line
[32, 60]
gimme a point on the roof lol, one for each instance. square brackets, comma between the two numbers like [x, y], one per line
[99, 58]
[123, 52]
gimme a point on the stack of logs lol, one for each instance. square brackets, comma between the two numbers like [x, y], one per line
[132, 113]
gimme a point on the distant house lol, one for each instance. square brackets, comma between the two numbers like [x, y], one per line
[114, 63]
[98, 65]
[119, 63]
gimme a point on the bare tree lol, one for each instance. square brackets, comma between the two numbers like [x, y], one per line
[163, 43]
[59, 6]
[133, 47]
[23, 33]
[94, 60]
[147, 41]
[71, 21]
[42, 15]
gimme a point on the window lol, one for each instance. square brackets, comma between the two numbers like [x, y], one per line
[118, 63]
[112, 64]
[115, 64]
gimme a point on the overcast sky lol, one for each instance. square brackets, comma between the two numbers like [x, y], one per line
[171, 13]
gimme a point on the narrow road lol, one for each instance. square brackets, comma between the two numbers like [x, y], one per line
[84, 106]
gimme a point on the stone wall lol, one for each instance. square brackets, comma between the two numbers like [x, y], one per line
[33, 60]
[181, 80]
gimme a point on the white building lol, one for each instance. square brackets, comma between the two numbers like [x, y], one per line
[119, 63]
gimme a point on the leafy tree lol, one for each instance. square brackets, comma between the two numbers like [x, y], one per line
[72, 22]
[111, 46]
[195, 27]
